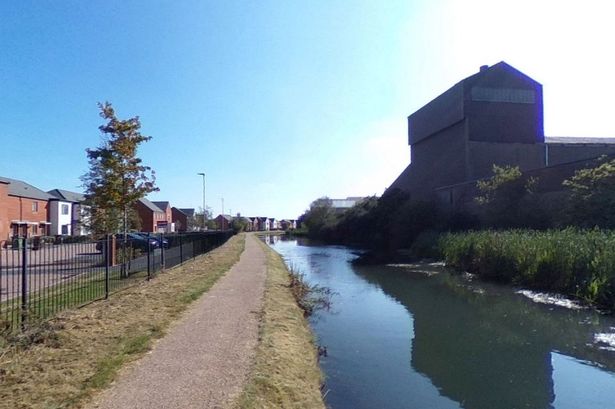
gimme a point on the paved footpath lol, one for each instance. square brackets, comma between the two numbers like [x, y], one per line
[204, 359]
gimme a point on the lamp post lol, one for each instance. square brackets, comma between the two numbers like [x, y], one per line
[203, 174]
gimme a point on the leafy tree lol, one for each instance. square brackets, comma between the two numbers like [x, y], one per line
[116, 178]
[200, 223]
[319, 217]
[239, 224]
[592, 196]
[506, 198]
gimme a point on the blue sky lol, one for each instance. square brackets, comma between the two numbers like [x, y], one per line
[277, 102]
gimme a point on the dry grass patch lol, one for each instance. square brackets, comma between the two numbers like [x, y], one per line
[285, 373]
[92, 343]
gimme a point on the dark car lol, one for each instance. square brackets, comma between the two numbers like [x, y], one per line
[165, 242]
[134, 240]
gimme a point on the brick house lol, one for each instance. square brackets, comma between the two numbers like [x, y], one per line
[151, 216]
[166, 226]
[25, 210]
[4, 205]
[223, 221]
[179, 219]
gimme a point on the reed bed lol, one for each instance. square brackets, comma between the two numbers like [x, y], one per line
[574, 262]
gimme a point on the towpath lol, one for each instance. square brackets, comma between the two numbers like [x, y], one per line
[205, 358]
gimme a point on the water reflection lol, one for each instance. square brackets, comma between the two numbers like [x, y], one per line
[401, 338]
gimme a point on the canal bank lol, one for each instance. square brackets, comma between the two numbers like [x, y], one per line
[285, 372]
[402, 336]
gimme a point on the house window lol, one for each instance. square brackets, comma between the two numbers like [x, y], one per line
[34, 207]
[64, 209]
[65, 229]
[34, 228]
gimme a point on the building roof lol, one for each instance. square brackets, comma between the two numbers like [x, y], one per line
[162, 205]
[67, 195]
[228, 217]
[188, 212]
[581, 140]
[150, 205]
[23, 189]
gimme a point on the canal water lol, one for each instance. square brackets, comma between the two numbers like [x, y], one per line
[404, 336]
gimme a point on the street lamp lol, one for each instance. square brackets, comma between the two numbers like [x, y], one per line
[203, 174]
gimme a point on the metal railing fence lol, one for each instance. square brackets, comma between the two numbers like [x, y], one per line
[38, 280]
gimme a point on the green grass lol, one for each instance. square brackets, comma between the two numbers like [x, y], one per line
[84, 348]
[579, 263]
[66, 294]
[285, 373]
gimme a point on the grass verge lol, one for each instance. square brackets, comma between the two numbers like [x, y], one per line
[86, 347]
[285, 373]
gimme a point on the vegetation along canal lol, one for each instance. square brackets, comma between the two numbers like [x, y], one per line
[399, 337]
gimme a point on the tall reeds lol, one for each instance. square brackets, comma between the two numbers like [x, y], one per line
[575, 262]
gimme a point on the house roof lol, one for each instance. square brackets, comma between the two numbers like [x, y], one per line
[188, 212]
[162, 205]
[67, 195]
[228, 217]
[150, 205]
[23, 189]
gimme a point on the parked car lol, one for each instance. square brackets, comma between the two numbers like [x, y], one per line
[165, 242]
[134, 240]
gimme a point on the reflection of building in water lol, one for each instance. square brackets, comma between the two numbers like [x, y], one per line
[472, 353]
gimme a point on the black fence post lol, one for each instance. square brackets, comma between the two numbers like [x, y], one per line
[181, 250]
[106, 246]
[149, 250]
[24, 282]
[161, 252]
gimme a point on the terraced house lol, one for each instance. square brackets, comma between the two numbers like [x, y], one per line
[23, 210]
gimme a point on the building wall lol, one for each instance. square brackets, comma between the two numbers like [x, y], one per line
[4, 219]
[569, 152]
[58, 220]
[180, 220]
[503, 105]
[483, 155]
[146, 216]
[436, 161]
[20, 208]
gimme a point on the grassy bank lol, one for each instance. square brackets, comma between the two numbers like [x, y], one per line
[61, 364]
[579, 263]
[285, 372]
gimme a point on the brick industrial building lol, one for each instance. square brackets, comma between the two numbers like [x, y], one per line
[492, 117]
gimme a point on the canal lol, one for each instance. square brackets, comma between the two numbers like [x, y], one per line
[409, 336]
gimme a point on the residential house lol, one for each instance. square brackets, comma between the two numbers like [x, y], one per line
[25, 209]
[253, 223]
[179, 219]
[273, 224]
[223, 221]
[67, 214]
[263, 223]
[4, 204]
[191, 218]
[151, 216]
[167, 226]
